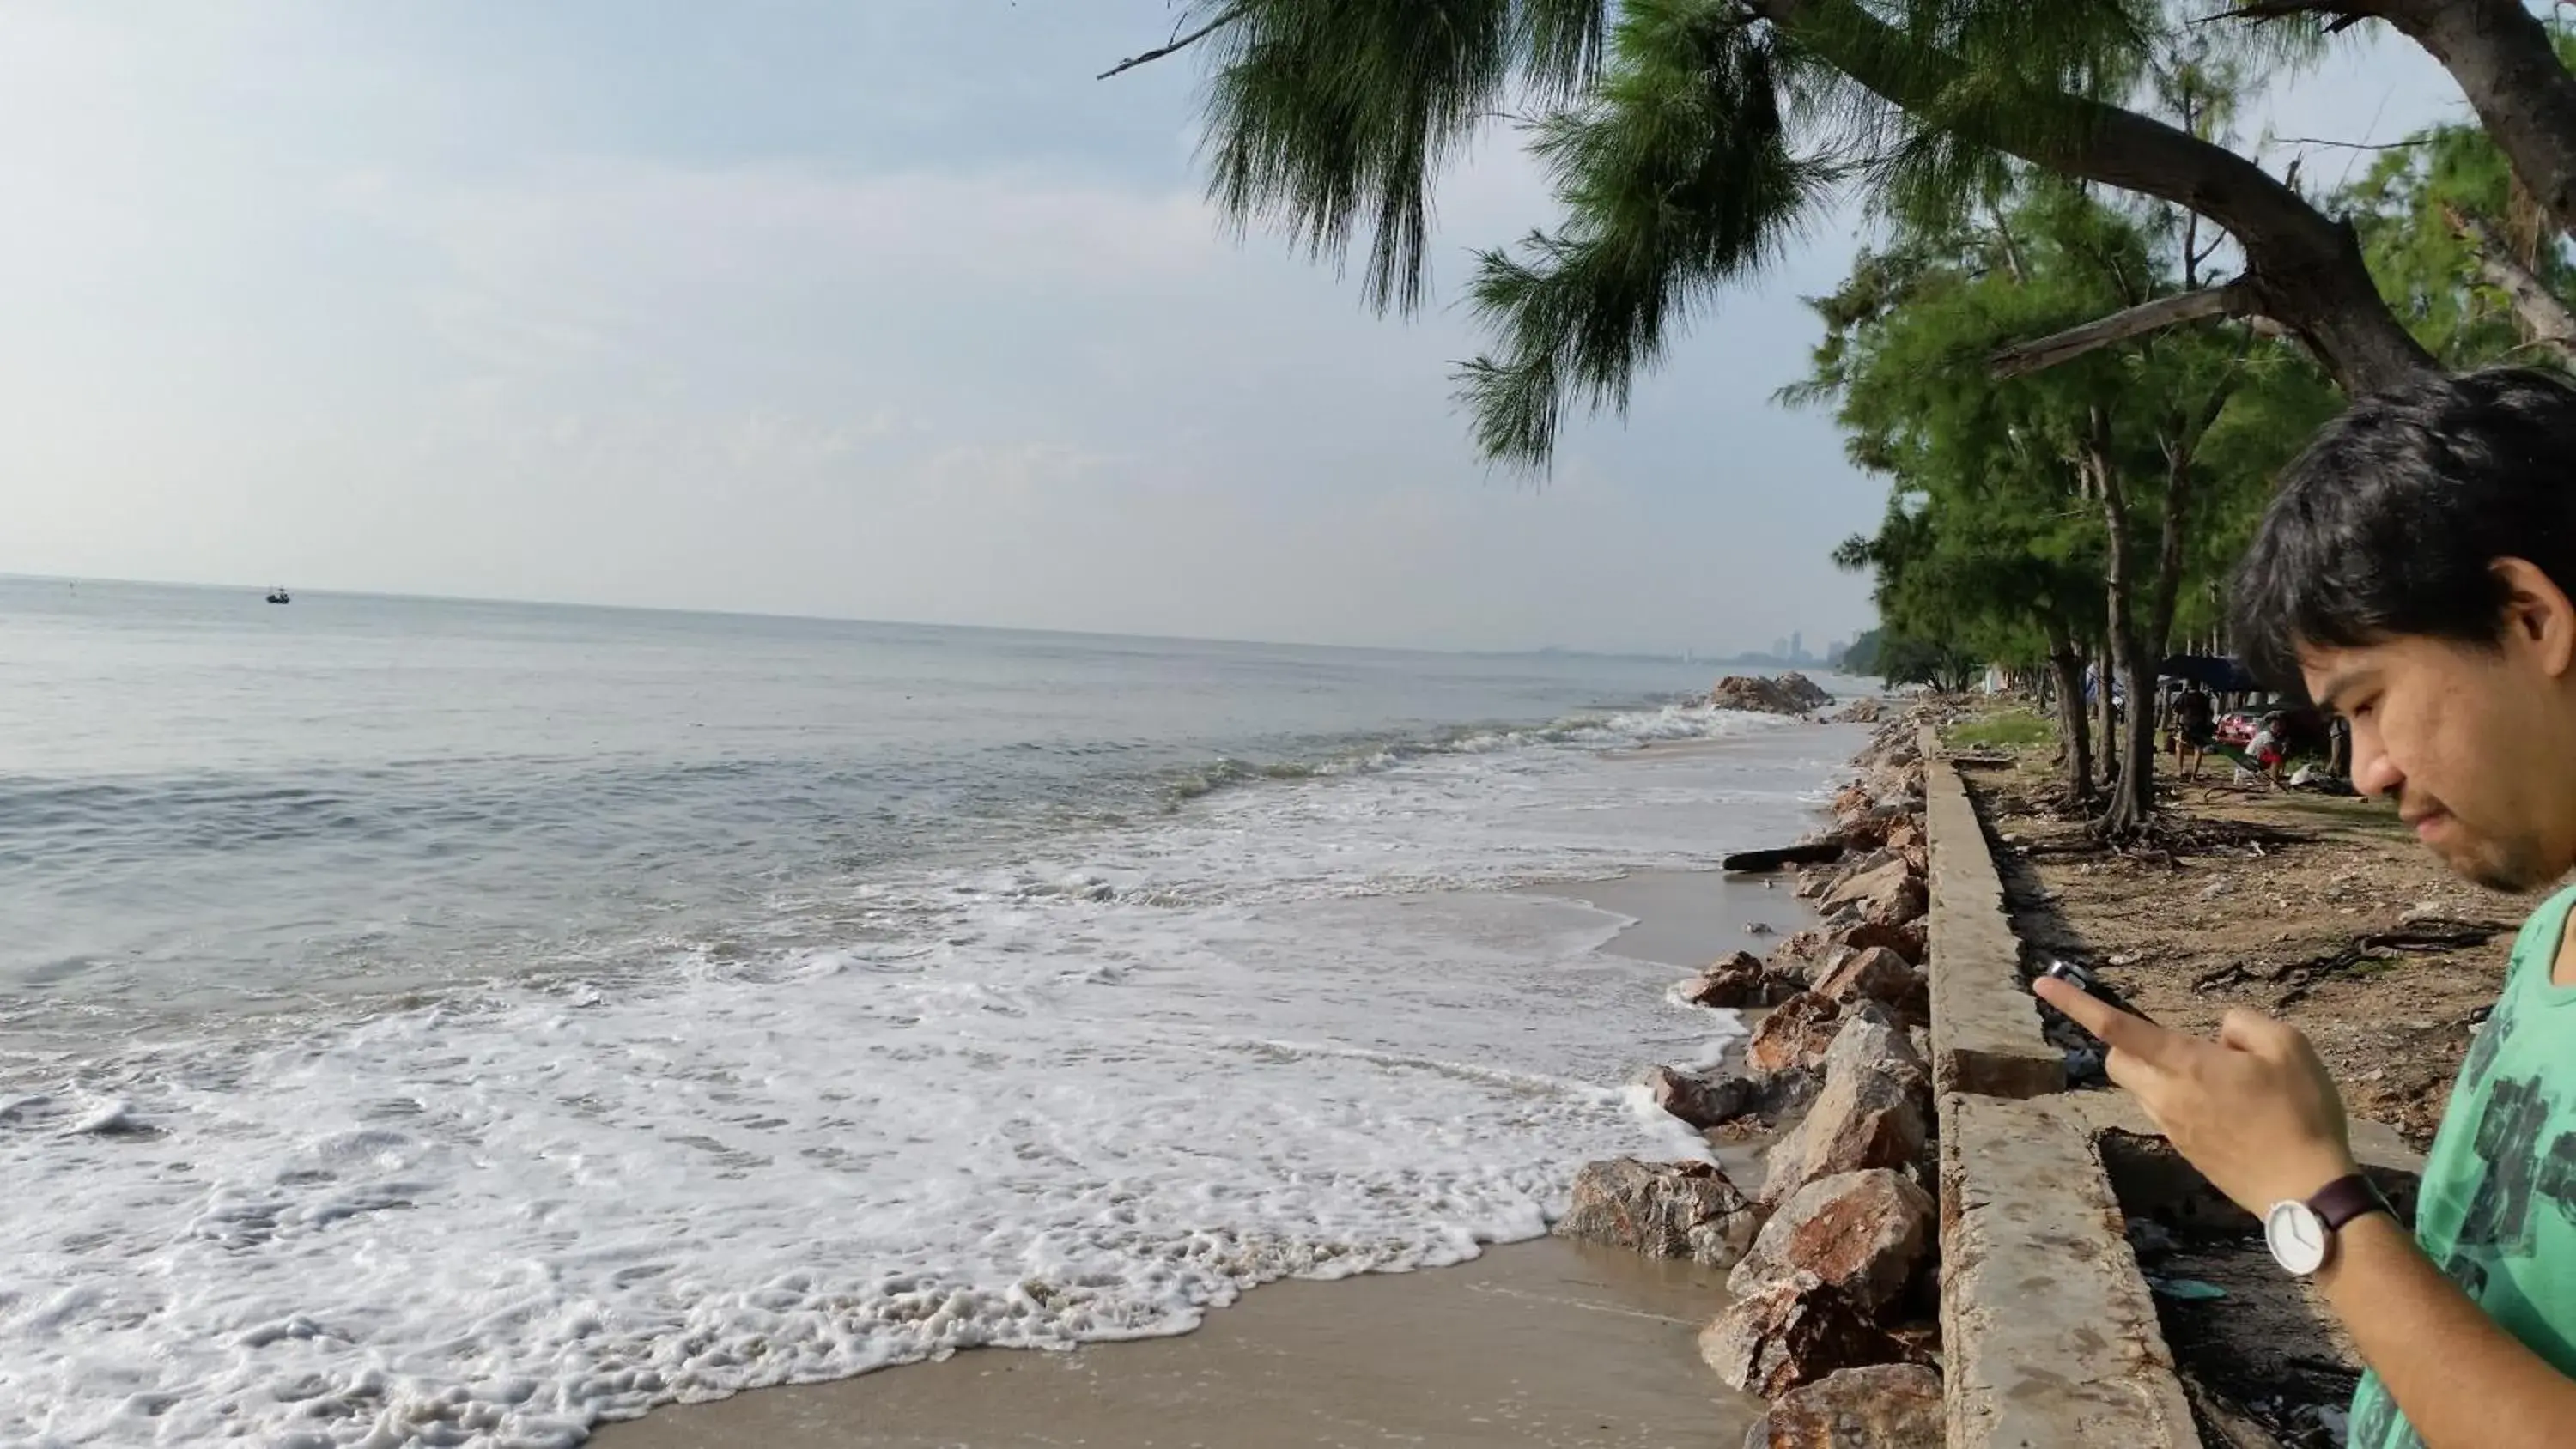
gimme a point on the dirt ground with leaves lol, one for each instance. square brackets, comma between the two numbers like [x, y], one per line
[2322, 910]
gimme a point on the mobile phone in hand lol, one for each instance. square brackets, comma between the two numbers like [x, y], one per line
[2085, 981]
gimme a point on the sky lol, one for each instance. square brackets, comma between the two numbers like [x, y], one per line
[880, 310]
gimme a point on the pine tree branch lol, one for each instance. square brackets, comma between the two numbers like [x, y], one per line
[1174, 46]
[2551, 322]
[2303, 268]
[2234, 299]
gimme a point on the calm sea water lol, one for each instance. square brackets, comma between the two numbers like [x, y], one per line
[452, 1022]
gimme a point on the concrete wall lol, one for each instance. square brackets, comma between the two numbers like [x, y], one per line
[2049, 1337]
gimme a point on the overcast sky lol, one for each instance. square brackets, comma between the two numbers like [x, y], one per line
[863, 308]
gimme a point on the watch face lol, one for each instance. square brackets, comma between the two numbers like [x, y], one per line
[2296, 1237]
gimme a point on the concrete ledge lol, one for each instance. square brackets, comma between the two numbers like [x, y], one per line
[1985, 1026]
[2047, 1328]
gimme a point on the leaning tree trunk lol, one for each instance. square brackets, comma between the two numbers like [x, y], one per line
[2066, 667]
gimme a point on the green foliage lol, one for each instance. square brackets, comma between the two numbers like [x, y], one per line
[1945, 667]
[1860, 657]
[2015, 729]
[2404, 209]
[1689, 142]
[1995, 541]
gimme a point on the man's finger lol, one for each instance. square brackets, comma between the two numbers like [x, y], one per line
[2134, 1036]
[2252, 1031]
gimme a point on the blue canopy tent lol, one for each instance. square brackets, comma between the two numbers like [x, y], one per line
[2217, 674]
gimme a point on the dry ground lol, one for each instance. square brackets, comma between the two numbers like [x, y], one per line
[2324, 911]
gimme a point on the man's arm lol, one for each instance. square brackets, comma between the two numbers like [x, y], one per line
[2459, 1378]
[2256, 1112]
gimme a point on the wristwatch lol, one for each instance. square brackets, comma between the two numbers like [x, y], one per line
[2301, 1235]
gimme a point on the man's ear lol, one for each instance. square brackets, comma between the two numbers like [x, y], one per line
[2538, 615]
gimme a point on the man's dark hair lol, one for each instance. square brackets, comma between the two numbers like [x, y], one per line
[2389, 523]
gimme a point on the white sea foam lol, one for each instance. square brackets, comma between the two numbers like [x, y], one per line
[1048, 1102]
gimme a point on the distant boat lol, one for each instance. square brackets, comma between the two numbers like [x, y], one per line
[278, 595]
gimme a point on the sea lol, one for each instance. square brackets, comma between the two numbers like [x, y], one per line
[433, 1022]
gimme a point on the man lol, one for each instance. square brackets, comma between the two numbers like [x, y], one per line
[2195, 729]
[2415, 573]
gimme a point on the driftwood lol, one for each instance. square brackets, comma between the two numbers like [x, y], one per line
[1761, 862]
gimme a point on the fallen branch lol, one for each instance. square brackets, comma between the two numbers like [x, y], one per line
[2235, 299]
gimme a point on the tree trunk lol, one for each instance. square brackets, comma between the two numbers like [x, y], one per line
[2501, 55]
[2107, 737]
[2133, 793]
[2303, 268]
[2066, 668]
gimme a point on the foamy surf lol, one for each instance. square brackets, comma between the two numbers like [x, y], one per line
[1090, 1093]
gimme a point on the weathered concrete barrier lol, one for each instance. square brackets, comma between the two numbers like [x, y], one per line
[2047, 1326]
[2049, 1334]
[1985, 1025]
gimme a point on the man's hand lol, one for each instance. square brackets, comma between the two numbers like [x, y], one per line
[2254, 1110]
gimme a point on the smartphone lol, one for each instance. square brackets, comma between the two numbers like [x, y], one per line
[2084, 981]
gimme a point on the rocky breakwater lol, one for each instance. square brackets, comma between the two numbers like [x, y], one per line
[1791, 693]
[1833, 1311]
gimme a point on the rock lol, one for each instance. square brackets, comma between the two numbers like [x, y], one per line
[1875, 1109]
[1795, 1034]
[1860, 1234]
[1882, 1406]
[1781, 1338]
[1798, 954]
[1905, 833]
[1909, 902]
[1698, 1101]
[1907, 940]
[1791, 693]
[1662, 1209]
[1737, 981]
[1868, 883]
[1876, 974]
[1862, 711]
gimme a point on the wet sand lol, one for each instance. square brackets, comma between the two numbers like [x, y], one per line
[1539, 1343]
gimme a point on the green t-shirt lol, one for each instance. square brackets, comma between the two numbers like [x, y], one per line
[2498, 1206]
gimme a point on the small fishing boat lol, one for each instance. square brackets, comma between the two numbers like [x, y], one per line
[278, 595]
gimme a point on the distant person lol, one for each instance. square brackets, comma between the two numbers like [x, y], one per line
[2268, 749]
[2414, 571]
[2195, 729]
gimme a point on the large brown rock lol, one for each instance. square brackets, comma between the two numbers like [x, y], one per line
[1910, 901]
[1740, 980]
[1699, 1101]
[1873, 878]
[1876, 974]
[1795, 1034]
[1875, 1110]
[1907, 940]
[1860, 1234]
[1882, 1406]
[1781, 1338]
[1662, 1209]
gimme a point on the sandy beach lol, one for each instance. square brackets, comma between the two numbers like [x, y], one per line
[1546, 1342]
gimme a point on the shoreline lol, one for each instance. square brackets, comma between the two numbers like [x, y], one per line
[1543, 1341]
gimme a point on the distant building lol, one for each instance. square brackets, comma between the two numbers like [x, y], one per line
[1797, 648]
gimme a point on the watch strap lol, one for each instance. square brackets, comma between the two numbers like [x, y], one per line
[2346, 1198]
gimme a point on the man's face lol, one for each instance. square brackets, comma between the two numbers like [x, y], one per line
[2470, 742]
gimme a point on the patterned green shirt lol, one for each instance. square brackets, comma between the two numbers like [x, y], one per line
[2498, 1206]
